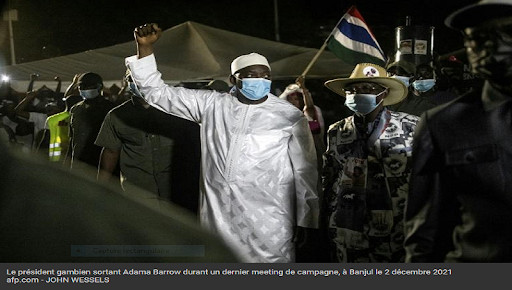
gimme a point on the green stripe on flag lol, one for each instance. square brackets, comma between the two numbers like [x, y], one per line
[350, 56]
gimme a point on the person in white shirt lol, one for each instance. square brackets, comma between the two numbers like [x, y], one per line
[259, 177]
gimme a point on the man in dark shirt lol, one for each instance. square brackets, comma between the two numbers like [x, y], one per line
[86, 119]
[459, 207]
[156, 151]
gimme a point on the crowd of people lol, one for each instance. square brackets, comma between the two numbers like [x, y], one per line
[418, 172]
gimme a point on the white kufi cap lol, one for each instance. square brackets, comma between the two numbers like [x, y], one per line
[246, 60]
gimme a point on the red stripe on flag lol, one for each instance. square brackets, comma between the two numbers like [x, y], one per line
[352, 11]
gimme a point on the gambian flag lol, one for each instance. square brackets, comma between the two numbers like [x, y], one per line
[353, 42]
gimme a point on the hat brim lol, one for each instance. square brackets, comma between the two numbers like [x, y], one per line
[397, 90]
[474, 14]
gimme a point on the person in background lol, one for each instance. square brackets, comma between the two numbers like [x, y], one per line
[86, 118]
[420, 85]
[57, 125]
[259, 177]
[114, 95]
[7, 134]
[459, 206]
[403, 71]
[156, 151]
[454, 74]
[9, 121]
[366, 169]
[424, 86]
[299, 96]
[124, 93]
[45, 95]
[28, 115]
[45, 105]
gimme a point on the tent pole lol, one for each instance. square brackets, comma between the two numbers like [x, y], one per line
[276, 21]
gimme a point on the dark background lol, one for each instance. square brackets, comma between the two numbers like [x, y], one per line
[49, 28]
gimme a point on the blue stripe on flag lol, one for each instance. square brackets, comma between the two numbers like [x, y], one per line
[356, 33]
[352, 41]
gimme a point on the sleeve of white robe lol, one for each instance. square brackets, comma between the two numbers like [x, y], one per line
[301, 150]
[181, 102]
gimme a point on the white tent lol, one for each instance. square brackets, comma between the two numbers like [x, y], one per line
[189, 51]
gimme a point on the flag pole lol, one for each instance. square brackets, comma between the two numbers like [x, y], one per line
[313, 60]
[317, 55]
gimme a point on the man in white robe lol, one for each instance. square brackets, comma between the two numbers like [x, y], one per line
[259, 177]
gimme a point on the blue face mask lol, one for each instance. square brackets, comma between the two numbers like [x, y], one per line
[255, 88]
[89, 94]
[362, 104]
[424, 85]
[403, 79]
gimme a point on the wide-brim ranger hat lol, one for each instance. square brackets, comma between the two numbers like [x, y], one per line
[368, 72]
[475, 14]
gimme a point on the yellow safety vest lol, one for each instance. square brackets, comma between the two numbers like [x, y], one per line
[58, 125]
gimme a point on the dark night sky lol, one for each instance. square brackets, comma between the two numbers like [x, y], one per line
[48, 28]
